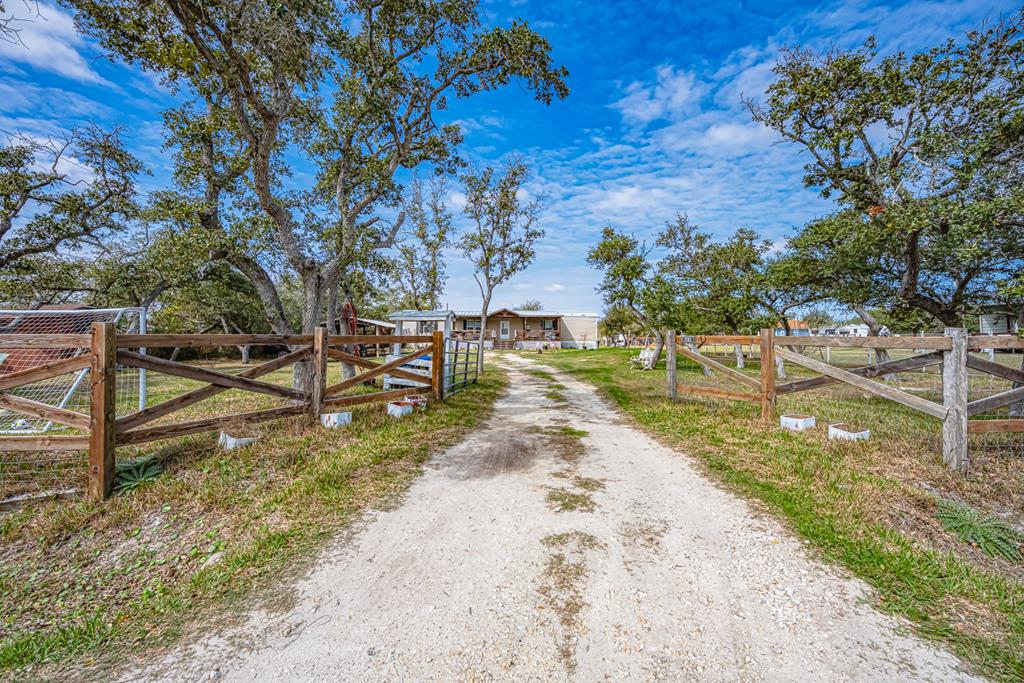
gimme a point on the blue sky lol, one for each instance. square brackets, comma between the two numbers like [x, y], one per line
[654, 124]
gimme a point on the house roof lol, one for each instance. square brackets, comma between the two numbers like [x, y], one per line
[371, 321]
[507, 311]
[410, 314]
[524, 314]
[444, 313]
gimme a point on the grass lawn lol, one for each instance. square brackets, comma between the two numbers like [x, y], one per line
[868, 506]
[82, 583]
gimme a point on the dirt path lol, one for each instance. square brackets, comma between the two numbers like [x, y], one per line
[528, 552]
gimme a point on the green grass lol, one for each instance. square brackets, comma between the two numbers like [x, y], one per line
[868, 506]
[82, 582]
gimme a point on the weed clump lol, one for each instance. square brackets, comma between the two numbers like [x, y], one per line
[991, 534]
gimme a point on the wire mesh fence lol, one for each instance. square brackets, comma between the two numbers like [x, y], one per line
[69, 390]
[840, 401]
[982, 385]
[27, 471]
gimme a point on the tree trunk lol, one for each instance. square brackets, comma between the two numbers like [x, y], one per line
[243, 349]
[312, 293]
[874, 330]
[333, 325]
[780, 368]
[483, 330]
[659, 344]
[348, 370]
[705, 369]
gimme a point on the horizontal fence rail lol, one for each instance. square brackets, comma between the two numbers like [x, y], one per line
[950, 352]
[103, 351]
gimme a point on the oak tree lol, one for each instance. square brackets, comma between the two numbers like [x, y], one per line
[925, 150]
[504, 227]
[349, 89]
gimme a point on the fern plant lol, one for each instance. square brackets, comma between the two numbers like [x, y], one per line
[989, 533]
[131, 474]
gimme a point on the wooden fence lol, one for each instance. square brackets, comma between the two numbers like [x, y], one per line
[951, 351]
[101, 431]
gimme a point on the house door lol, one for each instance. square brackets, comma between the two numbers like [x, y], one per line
[505, 332]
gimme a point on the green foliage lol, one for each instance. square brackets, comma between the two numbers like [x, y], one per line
[618, 320]
[818, 318]
[530, 305]
[504, 229]
[923, 152]
[55, 197]
[271, 90]
[132, 474]
[989, 533]
[723, 281]
[699, 286]
[629, 281]
[420, 263]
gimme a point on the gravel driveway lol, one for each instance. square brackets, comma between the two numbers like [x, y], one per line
[535, 551]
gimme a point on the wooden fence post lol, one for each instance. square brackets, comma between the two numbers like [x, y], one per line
[319, 360]
[767, 341]
[102, 410]
[954, 398]
[437, 364]
[670, 363]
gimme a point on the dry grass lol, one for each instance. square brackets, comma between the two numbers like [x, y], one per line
[79, 580]
[562, 585]
[565, 500]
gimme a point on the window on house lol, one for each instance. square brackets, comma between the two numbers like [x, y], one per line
[472, 324]
[427, 326]
[547, 325]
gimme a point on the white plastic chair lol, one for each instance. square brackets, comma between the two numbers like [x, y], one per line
[645, 361]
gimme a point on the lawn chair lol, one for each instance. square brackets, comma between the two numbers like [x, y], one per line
[645, 361]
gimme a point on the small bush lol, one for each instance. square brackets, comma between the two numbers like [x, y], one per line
[131, 474]
[989, 533]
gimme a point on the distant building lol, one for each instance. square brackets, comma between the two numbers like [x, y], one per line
[997, 321]
[506, 328]
[797, 328]
[853, 330]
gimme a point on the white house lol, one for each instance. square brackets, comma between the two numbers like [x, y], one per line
[506, 328]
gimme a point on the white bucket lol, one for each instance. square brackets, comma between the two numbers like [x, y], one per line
[797, 423]
[845, 432]
[230, 443]
[334, 420]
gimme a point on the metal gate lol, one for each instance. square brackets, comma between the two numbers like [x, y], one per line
[460, 364]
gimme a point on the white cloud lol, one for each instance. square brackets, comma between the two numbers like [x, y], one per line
[738, 135]
[672, 95]
[554, 287]
[51, 43]
[19, 96]
[457, 199]
[488, 124]
[751, 80]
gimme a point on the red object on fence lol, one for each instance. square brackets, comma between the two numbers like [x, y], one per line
[351, 318]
